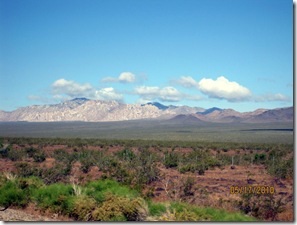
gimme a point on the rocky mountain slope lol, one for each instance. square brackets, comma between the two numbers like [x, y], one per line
[82, 109]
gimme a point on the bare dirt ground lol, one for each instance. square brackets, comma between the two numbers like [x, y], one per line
[20, 215]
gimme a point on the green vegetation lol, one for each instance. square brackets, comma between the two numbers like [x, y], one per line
[128, 171]
[102, 200]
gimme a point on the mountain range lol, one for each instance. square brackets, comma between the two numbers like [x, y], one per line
[82, 109]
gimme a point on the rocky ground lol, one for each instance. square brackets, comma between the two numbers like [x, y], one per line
[18, 215]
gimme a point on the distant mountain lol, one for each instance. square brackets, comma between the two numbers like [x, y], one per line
[83, 109]
[185, 118]
[208, 111]
[80, 100]
[274, 115]
[157, 104]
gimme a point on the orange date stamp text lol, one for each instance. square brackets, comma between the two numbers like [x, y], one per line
[252, 190]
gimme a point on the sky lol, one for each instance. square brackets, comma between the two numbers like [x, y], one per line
[224, 53]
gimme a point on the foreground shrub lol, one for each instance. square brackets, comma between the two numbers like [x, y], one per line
[97, 190]
[262, 206]
[184, 215]
[55, 197]
[116, 208]
[82, 208]
[156, 209]
[12, 195]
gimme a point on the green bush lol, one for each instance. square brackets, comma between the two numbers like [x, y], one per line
[56, 197]
[31, 183]
[126, 155]
[156, 209]
[12, 195]
[97, 189]
[171, 160]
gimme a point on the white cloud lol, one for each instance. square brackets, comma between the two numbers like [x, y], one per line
[170, 94]
[71, 88]
[65, 89]
[222, 88]
[272, 97]
[149, 92]
[108, 94]
[125, 77]
[109, 80]
[166, 94]
[187, 81]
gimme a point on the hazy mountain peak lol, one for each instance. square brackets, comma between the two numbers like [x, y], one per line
[158, 105]
[79, 99]
[210, 110]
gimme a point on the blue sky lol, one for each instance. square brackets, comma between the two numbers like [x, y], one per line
[225, 53]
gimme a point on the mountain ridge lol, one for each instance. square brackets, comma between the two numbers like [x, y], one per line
[83, 109]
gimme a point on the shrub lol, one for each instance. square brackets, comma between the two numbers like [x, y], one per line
[56, 197]
[156, 209]
[30, 183]
[188, 187]
[31, 151]
[15, 154]
[183, 215]
[97, 190]
[4, 152]
[26, 170]
[126, 155]
[116, 208]
[261, 206]
[82, 208]
[171, 160]
[12, 195]
[39, 156]
[58, 173]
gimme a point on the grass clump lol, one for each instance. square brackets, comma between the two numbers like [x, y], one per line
[184, 212]
[97, 189]
[156, 209]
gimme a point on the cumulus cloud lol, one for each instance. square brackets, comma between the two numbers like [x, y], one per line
[71, 88]
[222, 88]
[165, 94]
[168, 94]
[108, 94]
[272, 97]
[125, 77]
[187, 81]
[64, 89]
